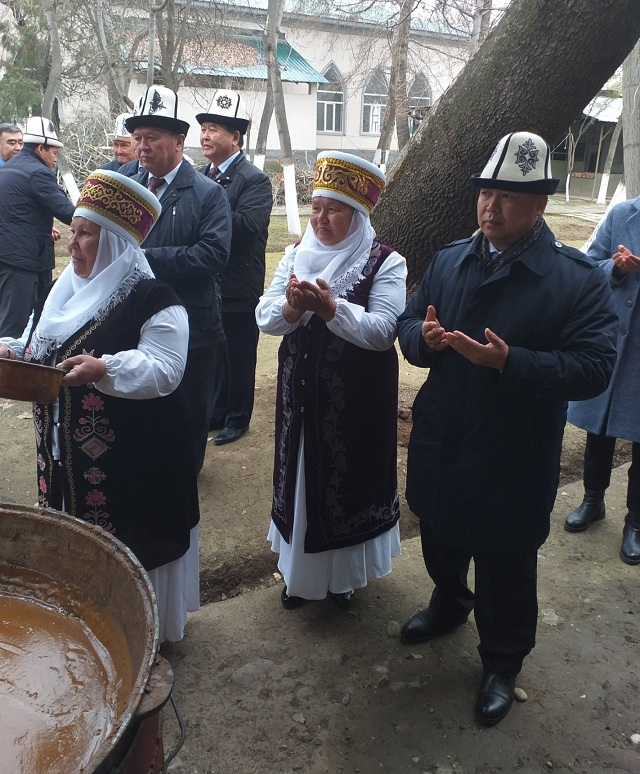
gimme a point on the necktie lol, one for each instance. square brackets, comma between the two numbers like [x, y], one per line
[214, 172]
[155, 183]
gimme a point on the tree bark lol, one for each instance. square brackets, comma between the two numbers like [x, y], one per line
[537, 69]
[631, 122]
[55, 73]
[606, 172]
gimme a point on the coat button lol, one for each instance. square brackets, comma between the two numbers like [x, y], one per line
[624, 331]
[558, 244]
[302, 409]
[629, 303]
[303, 382]
[60, 463]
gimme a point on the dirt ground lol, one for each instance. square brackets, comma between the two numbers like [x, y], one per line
[264, 690]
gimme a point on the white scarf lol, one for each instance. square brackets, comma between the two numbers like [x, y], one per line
[74, 301]
[341, 265]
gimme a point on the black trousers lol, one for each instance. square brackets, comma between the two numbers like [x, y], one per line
[235, 371]
[197, 384]
[19, 290]
[598, 459]
[505, 602]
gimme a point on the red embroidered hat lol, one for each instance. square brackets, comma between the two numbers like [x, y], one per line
[348, 179]
[119, 204]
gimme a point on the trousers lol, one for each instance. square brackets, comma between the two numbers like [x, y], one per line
[504, 601]
[598, 460]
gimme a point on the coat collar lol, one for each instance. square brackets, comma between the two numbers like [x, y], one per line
[536, 258]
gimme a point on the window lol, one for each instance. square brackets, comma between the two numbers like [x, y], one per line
[330, 102]
[419, 101]
[373, 103]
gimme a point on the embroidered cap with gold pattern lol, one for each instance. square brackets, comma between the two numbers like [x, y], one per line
[119, 204]
[348, 179]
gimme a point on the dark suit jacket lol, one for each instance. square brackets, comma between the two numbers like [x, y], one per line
[31, 199]
[189, 247]
[250, 198]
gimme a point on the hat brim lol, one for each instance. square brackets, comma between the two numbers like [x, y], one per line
[159, 122]
[239, 124]
[38, 139]
[547, 186]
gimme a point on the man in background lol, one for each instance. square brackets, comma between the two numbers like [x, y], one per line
[31, 198]
[222, 131]
[10, 142]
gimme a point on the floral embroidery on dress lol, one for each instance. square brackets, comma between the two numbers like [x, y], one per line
[94, 475]
[93, 432]
[94, 499]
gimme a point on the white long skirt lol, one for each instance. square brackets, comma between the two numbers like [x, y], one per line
[177, 589]
[340, 570]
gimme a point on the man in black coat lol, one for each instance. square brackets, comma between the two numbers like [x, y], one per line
[222, 132]
[189, 245]
[31, 199]
[512, 324]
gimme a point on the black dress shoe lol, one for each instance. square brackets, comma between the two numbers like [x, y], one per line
[630, 548]
[495, 697]
[342, 600]
[229, 435]
[290, 603]
[425, 626]
[590, 509]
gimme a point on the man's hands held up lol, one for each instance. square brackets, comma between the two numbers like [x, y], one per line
[493, 354]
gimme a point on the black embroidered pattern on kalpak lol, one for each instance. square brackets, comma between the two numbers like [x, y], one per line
[156, 103]
[513, 251]
[527, 156]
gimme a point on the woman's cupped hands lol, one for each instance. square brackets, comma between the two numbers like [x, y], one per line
[303, 296]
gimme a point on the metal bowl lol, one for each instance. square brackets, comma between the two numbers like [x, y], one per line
[21, 380]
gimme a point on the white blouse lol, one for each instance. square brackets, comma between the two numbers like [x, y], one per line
[374, 328]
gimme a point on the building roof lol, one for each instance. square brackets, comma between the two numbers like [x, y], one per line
[604, 108]
[241, 55]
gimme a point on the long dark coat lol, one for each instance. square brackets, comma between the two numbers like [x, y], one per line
[250, 198]
[189, 247]
[619, 404]
[484, 453]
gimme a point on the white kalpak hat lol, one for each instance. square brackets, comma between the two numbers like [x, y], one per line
[521, 161]
[158, 107]
[41, 131]
[227, 108]
[120, 131]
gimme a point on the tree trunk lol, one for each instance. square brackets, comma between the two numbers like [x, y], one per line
[537, 70]
[263, 131]
[55, 73]
[395, 112]
[273, 69]
[608, 163]
[631, 121]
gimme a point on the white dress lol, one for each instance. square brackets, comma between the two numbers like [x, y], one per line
[152, 370]
[339, 570]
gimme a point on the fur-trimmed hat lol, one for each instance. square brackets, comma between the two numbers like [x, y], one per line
[41, 131]
[227, 108]
[521, 161]
[348, 179]
[118, 203]
[158, 107]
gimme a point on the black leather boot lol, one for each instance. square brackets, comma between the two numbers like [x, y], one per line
[630, 549]
[590, 509]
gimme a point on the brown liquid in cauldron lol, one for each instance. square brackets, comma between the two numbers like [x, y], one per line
[65, 676]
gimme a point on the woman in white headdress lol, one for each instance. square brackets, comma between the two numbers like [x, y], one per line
[114, 448]
[335, 298]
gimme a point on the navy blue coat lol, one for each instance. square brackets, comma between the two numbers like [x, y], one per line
[484, 452]
[189, 246]
[619, 406]
[31, 199]
[250, 198]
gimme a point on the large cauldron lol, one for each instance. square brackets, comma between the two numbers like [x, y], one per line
[107, 574]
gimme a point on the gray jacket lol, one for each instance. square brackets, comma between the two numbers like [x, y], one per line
[616, 412]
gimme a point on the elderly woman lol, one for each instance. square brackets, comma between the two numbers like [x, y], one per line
[336, 297]
[114, 449]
